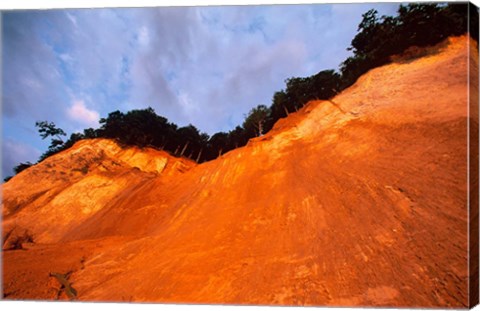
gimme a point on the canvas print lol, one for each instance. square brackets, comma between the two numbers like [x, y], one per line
[280, 155]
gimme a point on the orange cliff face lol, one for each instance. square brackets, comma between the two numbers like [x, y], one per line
[62, 192]
[361, 200]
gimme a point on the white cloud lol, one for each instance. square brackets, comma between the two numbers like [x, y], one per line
[190, 108]
[191, 64]
[72, 18]
[143, 36]
[80, 113]
[66, 57]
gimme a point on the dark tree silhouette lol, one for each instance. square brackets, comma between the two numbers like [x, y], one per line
[218, 144]
[255, 120]
[21, 167]
[47, 129]
[378, 38]
[237, 137]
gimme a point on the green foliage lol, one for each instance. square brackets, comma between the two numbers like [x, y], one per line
[144, 128]
[217, 145]
[378, 38]
[137, 127]
[297, 92]
[21, 167]
[190, 141]
[417, 24]
[47, 129]
[17, 169]
[89, 133]
[255, 120]
[237, 137]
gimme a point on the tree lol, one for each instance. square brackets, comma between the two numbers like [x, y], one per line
[237, 137]
[378, 38]
[217, 145]
[324, 85]
[190, 141]
[21, 167]
[74, 137]
[297, 93]
[366, 32]
[278, 110]
[90, 133]
[17, 169]
[255, 119]
[47, 129]
[113, 126]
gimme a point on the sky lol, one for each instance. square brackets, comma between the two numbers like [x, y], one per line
[206, 66]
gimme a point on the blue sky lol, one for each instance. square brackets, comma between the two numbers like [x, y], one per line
[207, 66]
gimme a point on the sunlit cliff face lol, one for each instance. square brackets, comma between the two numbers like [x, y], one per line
[356, 201]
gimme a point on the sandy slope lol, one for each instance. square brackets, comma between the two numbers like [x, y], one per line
[356, 201]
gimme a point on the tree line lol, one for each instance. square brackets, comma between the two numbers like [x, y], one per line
[378, 38]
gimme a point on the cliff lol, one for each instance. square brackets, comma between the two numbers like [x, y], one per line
[360, 200]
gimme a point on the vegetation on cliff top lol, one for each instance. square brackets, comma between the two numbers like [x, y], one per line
[377, 40]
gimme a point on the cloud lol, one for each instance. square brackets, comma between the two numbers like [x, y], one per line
[225, 60]
[143, 37]
[191, 64]
[81, 114]
[30, 68]
[13, 153]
